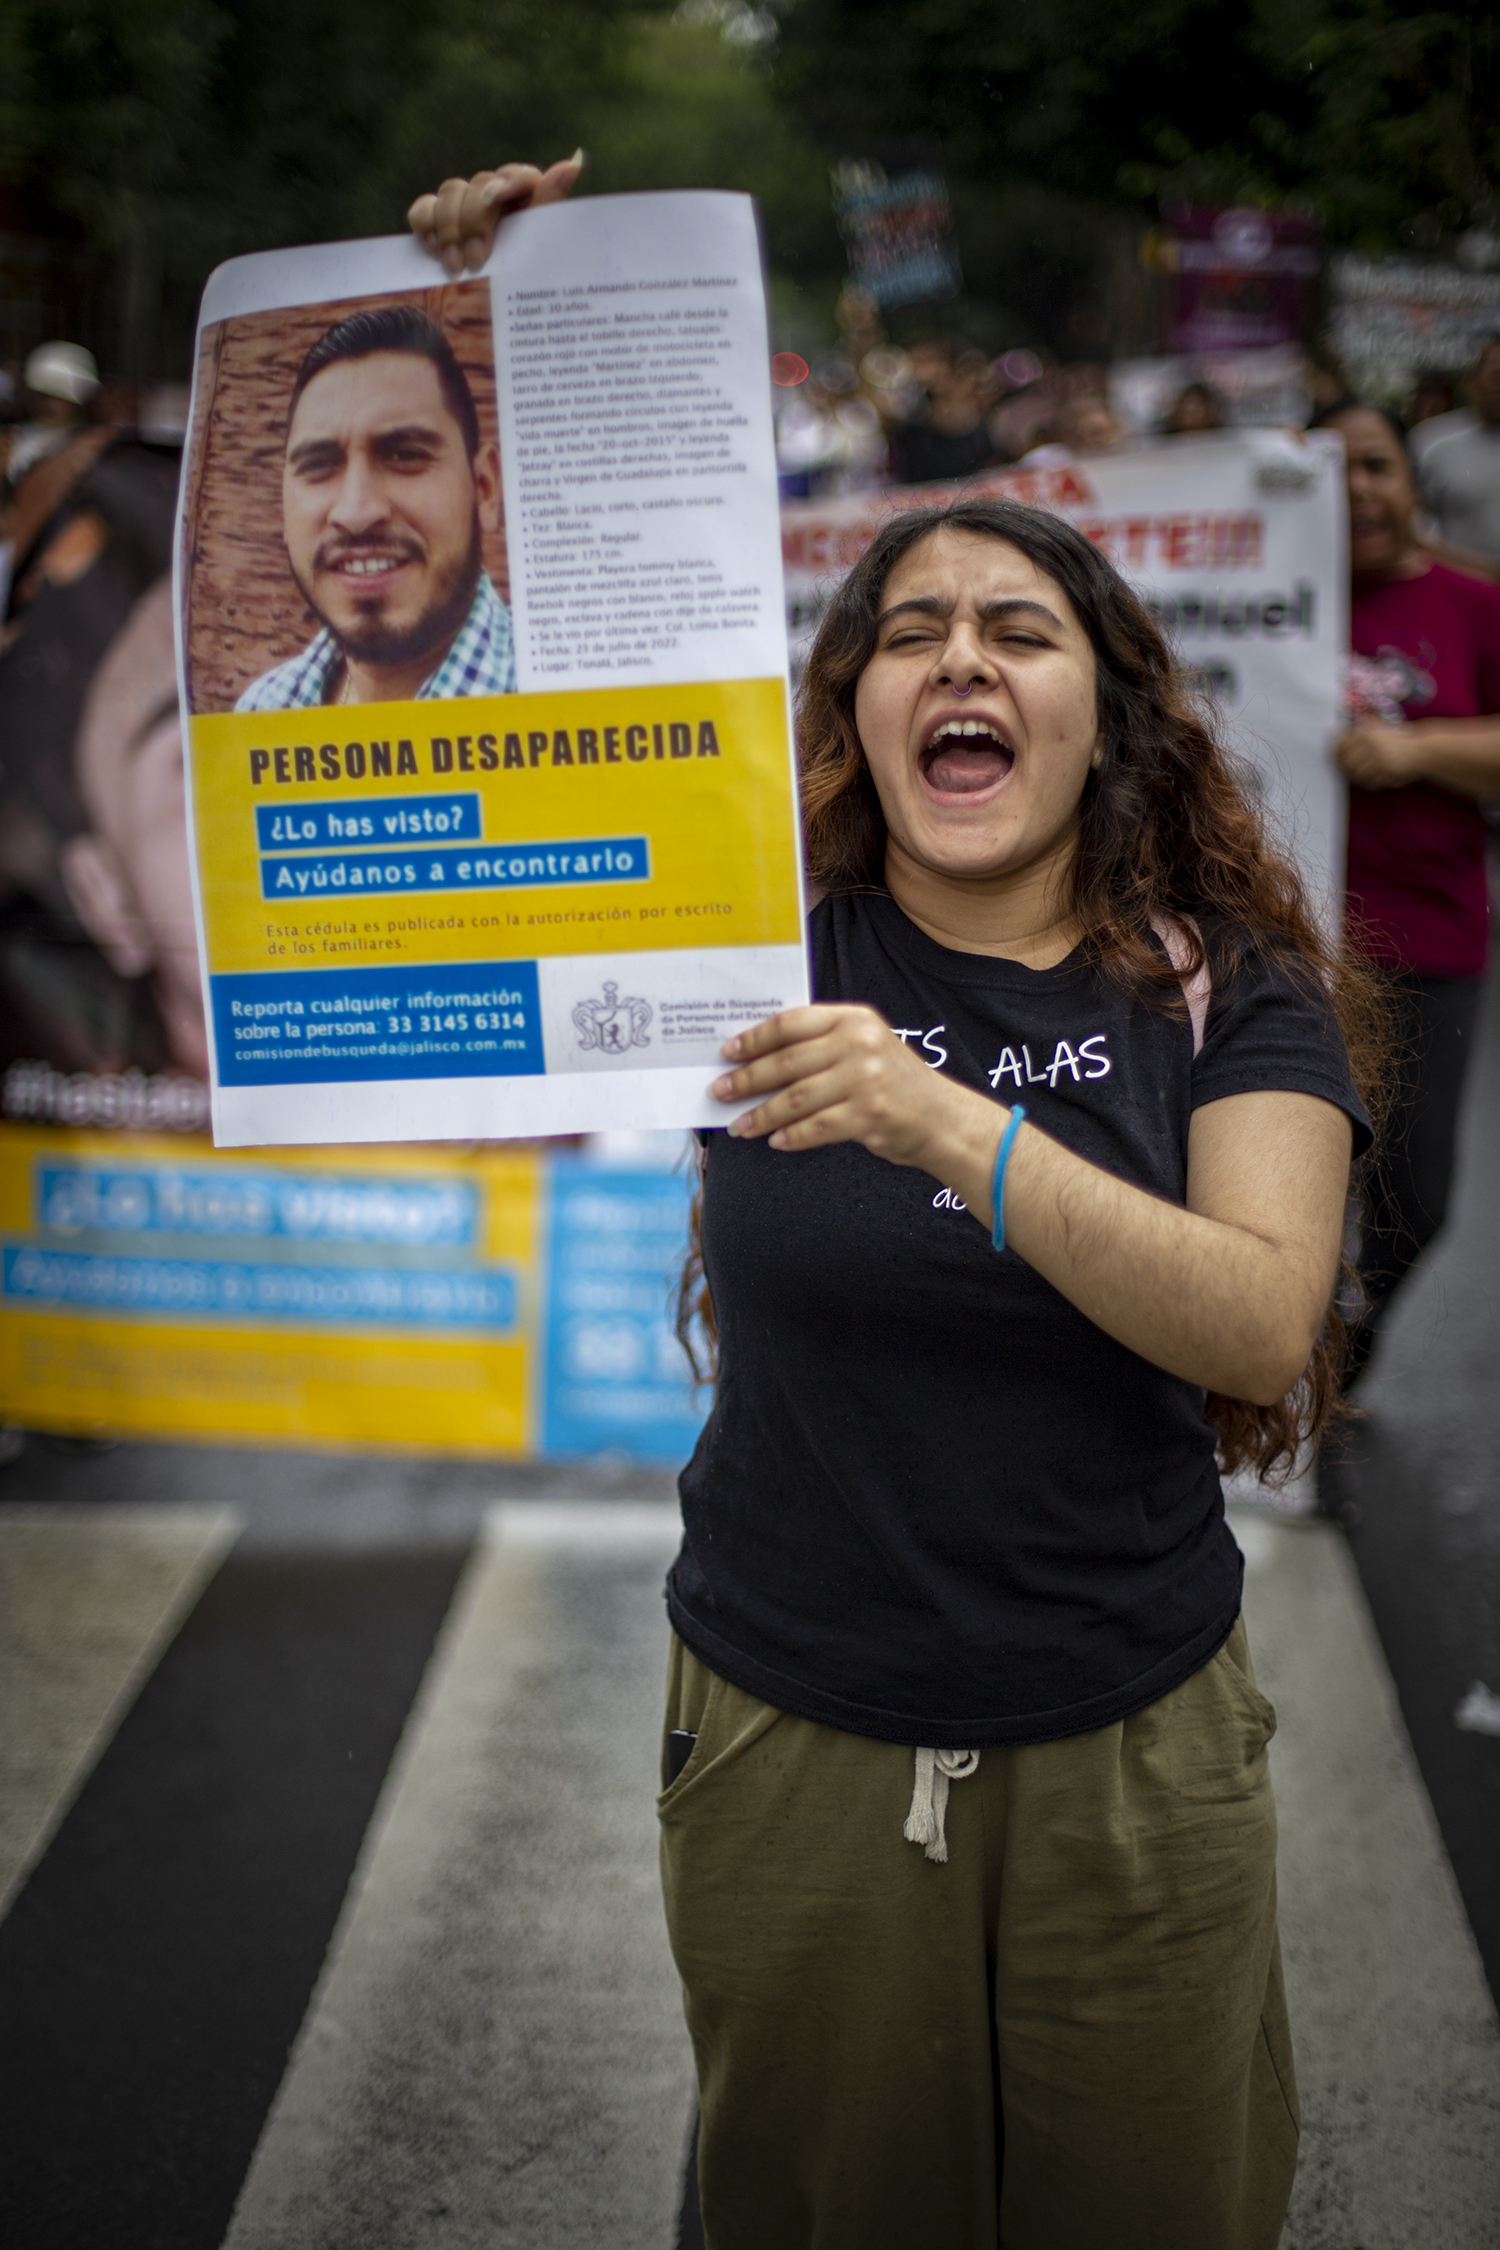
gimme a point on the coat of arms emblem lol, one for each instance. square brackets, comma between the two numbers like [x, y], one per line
[612, 1026]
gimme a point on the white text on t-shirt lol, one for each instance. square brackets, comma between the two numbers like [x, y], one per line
[1064, 1058]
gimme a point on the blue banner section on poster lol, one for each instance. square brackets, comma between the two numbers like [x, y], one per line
[615, 1377]
[291, 1027]
[369, 820]
[508, 867]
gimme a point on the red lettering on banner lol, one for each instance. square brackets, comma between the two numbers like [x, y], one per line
[826, 546]
[1180, 542]
[834, 541]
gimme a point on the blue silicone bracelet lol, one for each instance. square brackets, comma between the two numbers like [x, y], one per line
[997, 1185]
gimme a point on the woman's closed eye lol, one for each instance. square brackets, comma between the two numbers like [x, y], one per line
[916, 638]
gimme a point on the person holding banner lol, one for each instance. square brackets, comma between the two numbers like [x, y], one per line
[1422, 754]
[970, 1863]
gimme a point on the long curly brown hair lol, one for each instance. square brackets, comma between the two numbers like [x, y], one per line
[1170, 828]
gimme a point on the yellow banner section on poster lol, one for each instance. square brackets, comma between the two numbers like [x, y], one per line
[632, 819]
[369, 1296]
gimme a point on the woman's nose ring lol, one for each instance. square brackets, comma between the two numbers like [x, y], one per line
[969, 690]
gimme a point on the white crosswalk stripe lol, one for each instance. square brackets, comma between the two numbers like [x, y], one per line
[89, 1598]
[496, 2052]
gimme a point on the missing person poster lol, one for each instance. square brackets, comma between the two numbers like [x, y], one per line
[482, 649]
[1238, 543]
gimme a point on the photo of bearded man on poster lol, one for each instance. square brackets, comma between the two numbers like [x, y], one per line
[387, 489]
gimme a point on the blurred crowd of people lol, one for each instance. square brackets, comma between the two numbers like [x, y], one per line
[938, 410]
[932, 412]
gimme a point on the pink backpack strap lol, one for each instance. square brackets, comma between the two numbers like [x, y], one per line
[1197, 989]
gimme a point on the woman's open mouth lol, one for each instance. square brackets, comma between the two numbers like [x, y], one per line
[964, 758]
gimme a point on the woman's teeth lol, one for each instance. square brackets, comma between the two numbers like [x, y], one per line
[964, 727]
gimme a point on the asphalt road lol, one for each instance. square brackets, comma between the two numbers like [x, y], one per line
[1424, 1467]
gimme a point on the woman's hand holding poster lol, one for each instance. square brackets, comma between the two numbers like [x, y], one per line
[482, 646]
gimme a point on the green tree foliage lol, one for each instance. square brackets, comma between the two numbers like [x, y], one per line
[167, 135]
[175, 133]
[1382, 114]
[691, 106]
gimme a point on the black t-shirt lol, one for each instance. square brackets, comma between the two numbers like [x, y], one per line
[934, 1503]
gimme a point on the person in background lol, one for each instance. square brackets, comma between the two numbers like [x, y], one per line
[1196, 407]
[1422, 752]
[1027, 407]
[948, 438]
[857, 318]
[1085, 424]
[1090, 425]
[829, 438]
[1459, 467]
[53, 436]
[978, 371]
[1432, 410]
[61, 385]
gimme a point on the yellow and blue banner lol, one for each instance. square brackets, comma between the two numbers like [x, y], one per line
[498, 1302]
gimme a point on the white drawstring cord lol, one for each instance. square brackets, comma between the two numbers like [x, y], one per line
[935, 1769]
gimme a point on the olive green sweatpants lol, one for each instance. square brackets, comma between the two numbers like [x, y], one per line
[1071, 2036]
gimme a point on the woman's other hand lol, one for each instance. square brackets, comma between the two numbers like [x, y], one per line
[458, 223]
[1461, 754]
[1377, 756]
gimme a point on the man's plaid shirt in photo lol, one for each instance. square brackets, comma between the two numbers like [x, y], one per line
[481, 661]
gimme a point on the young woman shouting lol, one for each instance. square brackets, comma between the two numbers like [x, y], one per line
[970, 1871]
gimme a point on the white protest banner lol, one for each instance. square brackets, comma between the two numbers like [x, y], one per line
[1239, 545]
[481, 642]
